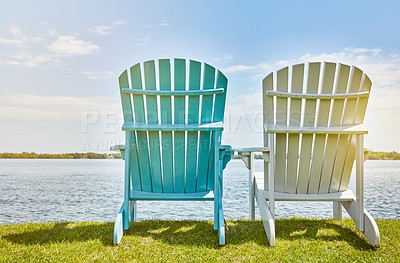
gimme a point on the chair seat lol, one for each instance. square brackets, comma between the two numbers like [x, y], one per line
[279, 196]
[338, 196]
[203, 196]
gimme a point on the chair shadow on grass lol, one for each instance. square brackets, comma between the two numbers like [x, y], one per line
[324, 230]
[191, 233]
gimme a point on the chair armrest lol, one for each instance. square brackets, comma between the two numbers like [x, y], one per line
[248, 150]
[225, 154]
[245, 154]
[214, 126]
[349, 129]
[240, 150]
[228, 150]
[121, 148]
[117, 147]
[366, 152]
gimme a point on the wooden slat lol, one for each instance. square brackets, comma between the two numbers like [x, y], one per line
[294, 119]
[281, 118]
[353, 129]
[198, 196]
[143, 152]
[298, 95]
[322, 121]
[166, 117]
[348, 119]
[192, 137]
[336, 120]
[214, 126]
[173, 92]
[219, 109]
[335, 197]
[125, 98]
[128, 116]
[362, 102]
[331, 142]
[359, 118]
[309, 120]
[154, 138]
[179, 118]
[206, 117]
[268, 118]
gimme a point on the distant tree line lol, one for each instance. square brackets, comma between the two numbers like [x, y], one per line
[383, 156]
[33, 155]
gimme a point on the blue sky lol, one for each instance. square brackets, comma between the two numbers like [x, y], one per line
[60, 60]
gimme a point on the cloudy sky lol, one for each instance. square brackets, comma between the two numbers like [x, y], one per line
[60, 60]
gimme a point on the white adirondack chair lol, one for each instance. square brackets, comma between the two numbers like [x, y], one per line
[312, 133]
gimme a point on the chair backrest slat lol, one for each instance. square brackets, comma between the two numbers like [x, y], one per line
[336, 120]
[317, 164]
[308, 121]
[204, 137]
[353, 108]
[179, 118]
[142, 149]
[154, 138]
[219, 107]
[192, 136]
[166, 117]
[294, 119]
[268, 116]
[128, 117]
[325, 160]
[281, 118]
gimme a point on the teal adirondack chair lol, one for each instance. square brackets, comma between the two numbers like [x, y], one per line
[173, 122]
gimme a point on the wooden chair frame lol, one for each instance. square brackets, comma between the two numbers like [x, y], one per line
[303, 175]
[173, 122]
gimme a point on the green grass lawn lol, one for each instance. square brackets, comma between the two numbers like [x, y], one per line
[297, 240]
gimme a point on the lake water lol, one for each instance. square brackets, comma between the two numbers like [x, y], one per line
[91, 190]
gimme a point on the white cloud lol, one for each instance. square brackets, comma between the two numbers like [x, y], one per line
[63, 46]
[144, 41]
[27, 59]
[248, 68]
[239, 68]
[384, 71]
[28, 53]
[13, 41]
[26, 108]
[106, 30]
[257, 71]
[163, 23]
[18, 38]
[160, 24]
[69, 45]
[382, 119]
[98, 75]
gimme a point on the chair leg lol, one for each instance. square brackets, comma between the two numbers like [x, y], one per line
[371, 231]
[132, 210]
[221, 229]
[266, 216]
[251, 189]
[337, 211]
[119, 226]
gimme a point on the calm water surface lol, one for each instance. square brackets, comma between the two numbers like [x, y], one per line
[91, 190]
